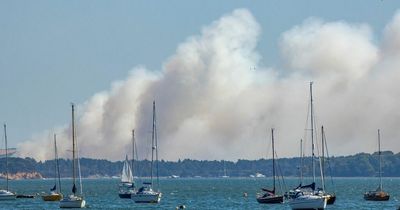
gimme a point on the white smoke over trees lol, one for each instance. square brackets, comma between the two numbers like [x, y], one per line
[211, 103]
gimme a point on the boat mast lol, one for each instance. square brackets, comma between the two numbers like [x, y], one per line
[312, 131]
[5, 139]
[133, 150]
[301, 161]
[380, 160]
[322, 158]
[73, 149]
[273, 157]
[152, 142]
[156, 145]
[57, 164]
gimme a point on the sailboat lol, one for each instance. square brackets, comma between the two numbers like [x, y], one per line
[305, 197]
[331, 197]
[269, 196]
[127, 185]
[225, 174]
[146, 194]
[6, 194]
[73, 200]
[55, 194]
[378, 194]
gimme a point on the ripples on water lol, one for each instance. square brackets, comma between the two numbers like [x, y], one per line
[201, 193]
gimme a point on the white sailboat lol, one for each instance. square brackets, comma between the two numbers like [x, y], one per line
[6, 194]
[126, 186]
[225, 174]
[55, 193]
[331, 197]
[305, 197]
[146, 194]
[73, 200]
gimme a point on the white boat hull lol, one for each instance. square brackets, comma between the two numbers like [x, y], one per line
[146, 197]
[72, 202]
[7, 195]
[308, 202]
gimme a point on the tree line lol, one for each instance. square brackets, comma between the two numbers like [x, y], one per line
[361, 164]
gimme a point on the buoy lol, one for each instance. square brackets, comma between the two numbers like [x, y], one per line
[181, 207]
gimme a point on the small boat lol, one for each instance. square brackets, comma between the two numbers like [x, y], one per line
[378, 194]
[146, 194]
[126, 187]
[73, 200]
[331, 197]
[307, 201]
[306, 197]
[269, 196]
[225, 174]
[127, 184]
[6, 194]
[55, 194]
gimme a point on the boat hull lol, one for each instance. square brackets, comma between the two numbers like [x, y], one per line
[125, 195]
[330, 199]
[270, 199]
[7, 195]
[53, 197]
[146, 198]
[308, 202]
[376, 196]
[73, 202]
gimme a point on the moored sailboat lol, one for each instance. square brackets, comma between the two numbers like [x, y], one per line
[74, 200]
[378, 194]
[305, 197]
[331, 197]
[146, 194]
[127, 184]
[225, 173]
[270, 196]
[55, 193]
[6, 194]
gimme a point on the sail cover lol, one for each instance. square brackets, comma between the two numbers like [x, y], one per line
[126, 175]
[74, 189]
[269, 191]
[54, 188]
[311, 186]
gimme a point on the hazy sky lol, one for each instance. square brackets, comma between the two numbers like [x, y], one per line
[56, 52]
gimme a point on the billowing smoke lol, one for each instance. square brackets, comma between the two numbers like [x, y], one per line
[214, 100]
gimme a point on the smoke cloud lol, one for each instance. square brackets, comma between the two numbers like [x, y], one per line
[214, 100]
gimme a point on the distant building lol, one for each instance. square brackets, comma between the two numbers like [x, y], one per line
[11, 152]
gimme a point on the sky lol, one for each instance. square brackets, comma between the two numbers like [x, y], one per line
[222, 73]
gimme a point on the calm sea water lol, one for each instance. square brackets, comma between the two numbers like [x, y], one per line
[201, 193]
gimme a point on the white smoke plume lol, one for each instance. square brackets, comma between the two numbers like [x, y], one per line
[215, 100]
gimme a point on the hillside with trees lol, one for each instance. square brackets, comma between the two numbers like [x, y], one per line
[359, 165]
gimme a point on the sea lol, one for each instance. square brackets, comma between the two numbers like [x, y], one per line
[202, 193]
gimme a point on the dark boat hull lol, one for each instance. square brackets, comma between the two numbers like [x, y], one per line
[125, 195]
[376, 196]
[331, 200]
[270, 199]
